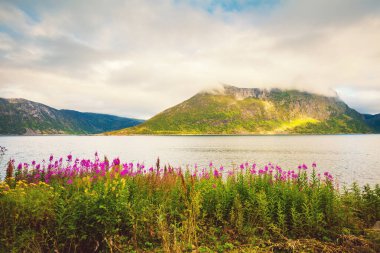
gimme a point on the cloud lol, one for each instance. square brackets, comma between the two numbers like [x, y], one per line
[136, 58]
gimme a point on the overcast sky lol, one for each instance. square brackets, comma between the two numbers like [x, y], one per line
[136, 58]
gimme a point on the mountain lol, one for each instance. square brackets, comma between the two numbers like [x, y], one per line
[233, 110]
[21, 116]
[373, 121]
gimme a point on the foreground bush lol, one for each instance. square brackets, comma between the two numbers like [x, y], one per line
[97, 206]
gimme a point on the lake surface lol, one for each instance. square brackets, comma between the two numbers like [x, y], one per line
[348, 157]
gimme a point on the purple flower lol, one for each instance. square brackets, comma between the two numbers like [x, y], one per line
[51, 158]
[123, 173]
[69, 158]
[116, 161]
[70, 181]
[314, 165]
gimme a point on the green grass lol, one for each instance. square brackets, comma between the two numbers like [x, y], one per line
[291, 125]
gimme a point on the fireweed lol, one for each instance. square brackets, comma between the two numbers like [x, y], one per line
[69, 205]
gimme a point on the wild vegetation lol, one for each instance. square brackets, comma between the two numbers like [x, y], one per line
[68, 205]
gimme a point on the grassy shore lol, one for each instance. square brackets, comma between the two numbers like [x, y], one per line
[103, 206]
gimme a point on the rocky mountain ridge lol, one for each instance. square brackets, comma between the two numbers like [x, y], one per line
[234, 110]
[24, 117]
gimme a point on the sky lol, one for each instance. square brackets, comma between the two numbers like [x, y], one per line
[136, 58]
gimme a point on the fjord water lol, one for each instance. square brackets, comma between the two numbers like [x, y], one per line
[348, 157]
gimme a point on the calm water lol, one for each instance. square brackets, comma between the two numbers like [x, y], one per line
[349, 157]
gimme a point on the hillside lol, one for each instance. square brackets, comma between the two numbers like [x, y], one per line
[373, 121]
[235, 110]
[21, 116]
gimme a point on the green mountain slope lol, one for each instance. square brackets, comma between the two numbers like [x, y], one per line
[254, 111]
[373, 121]
[20, 116]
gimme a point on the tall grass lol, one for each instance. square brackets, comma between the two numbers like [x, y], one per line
[88, 206]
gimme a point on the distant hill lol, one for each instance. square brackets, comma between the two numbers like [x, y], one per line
[21, 116]
[233, 110]
[373, 121]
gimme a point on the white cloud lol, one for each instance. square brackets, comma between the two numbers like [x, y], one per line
[137, 58]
